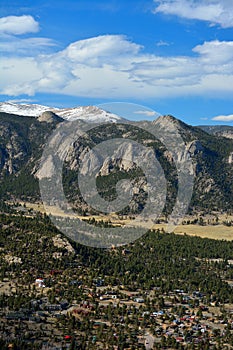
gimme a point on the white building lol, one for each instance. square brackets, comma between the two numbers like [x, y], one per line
[40, 283]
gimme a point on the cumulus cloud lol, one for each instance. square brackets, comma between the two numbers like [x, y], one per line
[101, 50]
[215, 51]
[12, 27]
[115, 67]
[18, 25]
[224, 118]
[218, 12]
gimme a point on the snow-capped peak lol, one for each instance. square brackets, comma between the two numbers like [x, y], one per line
[29, 110]
[90, 114]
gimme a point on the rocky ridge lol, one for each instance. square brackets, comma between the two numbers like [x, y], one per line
[22, 144]
[90, 114]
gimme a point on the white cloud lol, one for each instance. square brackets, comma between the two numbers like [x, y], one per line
[18, 75]
[12, 27]
[146, 113]
[112, 66]
[101, 50]
[214, 11]
[224, 118]
[162, 43]
[22, 100]
[18, 25]
[215, 51]
[28, 46]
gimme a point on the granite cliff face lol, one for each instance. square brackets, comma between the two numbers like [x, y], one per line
[22, 140]
[49, 117]
[12, 152]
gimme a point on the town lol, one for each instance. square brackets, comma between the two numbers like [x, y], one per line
[55, 294]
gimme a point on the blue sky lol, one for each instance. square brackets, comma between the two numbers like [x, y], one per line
[172, 56]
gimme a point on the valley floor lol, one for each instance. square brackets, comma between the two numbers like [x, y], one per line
[214, 226]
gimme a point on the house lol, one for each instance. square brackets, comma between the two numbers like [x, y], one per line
[16, 316]
[53, 307]
[67, 337]
[139, 300]
[80, 311]
[40, 283]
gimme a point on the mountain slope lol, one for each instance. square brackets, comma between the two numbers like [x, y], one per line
[218, 130]
[22, 140]
[88, 113]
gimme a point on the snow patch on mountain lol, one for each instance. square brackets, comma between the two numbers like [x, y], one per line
[89, 114]
[30, 110]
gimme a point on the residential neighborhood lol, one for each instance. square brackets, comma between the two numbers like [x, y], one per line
[145, 319]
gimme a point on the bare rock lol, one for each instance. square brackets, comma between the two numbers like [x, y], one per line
[49, 117]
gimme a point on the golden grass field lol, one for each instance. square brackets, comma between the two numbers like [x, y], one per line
[219, 231]
[210, 231]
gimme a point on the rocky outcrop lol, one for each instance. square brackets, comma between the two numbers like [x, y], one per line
[49, 117]
[12, 259]
[194, 147]
[218, 130]
[12, 153]
[61, 242]
[230, 159]
[47, 169]
[227, 134]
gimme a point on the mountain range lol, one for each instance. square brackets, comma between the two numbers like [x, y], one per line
[219, 130]
[86, 113]
[23, 138]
